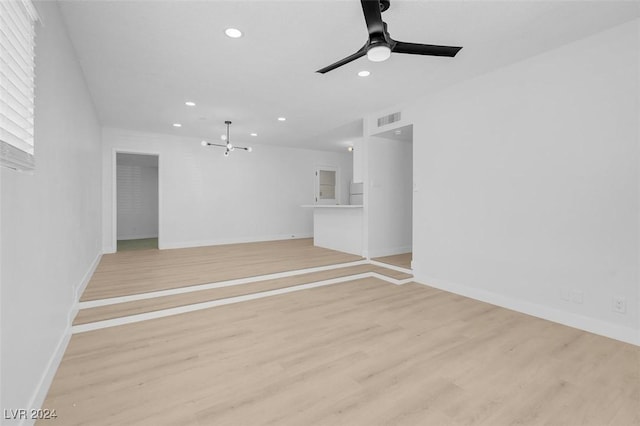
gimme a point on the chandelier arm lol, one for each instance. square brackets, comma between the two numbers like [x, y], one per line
[228, 146]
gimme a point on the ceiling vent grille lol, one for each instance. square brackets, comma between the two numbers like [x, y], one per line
[388, 119]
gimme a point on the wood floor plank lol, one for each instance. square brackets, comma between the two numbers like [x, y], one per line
[364, 352]
[402, 260]
[101, 313]
[143, 271]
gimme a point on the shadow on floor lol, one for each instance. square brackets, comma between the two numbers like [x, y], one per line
[143, 244]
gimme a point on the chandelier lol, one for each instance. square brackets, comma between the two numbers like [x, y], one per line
[228, 146]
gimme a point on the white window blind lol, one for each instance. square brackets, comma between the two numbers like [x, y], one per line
[17, 83]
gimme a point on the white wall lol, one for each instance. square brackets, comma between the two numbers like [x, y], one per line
[358, 160]
[207, 198]
[137, 195]
[528, 184]
[50, 221]
[389, 195]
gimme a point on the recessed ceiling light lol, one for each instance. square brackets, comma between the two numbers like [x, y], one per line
[177, 125]
[233, 32]
[189, 103]
[282, 119]
[364, 73]
[253, 134]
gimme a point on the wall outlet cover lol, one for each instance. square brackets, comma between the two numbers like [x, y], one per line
[619, 304]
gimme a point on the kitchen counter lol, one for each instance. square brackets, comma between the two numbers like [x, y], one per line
[338, 227]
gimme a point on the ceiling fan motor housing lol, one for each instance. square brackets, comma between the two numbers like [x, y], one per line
[380, 44]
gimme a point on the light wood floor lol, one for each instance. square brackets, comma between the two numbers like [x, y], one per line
[143, 271]
[402, 260]
[364, 352]
[118, 310]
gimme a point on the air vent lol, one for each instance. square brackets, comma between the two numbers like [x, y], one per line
[388, 119]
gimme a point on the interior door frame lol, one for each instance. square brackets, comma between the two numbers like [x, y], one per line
[114, 193]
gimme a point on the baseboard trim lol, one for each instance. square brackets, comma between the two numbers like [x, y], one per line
[42, 388]
[47, 378]
[87, 277]
[592, 325]
[187, 244]
[81, 287]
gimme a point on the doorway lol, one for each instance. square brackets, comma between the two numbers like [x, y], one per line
[391, 197]
[137, 201]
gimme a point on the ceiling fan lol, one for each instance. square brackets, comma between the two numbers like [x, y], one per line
[380, 44]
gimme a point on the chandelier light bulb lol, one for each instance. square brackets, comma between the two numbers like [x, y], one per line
[228, 146]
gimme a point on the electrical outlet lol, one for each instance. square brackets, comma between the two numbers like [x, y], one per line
[577, 296]
[619, 304]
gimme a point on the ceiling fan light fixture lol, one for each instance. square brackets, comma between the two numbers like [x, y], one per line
[379, 45]
[379, 53]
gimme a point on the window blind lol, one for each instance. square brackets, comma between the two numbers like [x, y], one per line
[17, 83]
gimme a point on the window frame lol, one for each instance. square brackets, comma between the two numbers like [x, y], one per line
[17, 84]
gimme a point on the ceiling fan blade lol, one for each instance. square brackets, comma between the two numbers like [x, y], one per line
[372, 16]
[360, 53]
[425, 49]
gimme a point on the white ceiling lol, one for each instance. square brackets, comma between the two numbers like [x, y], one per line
[402, 134]
[143, 59]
